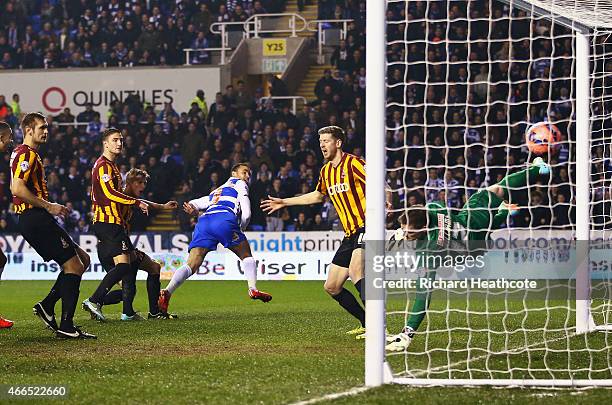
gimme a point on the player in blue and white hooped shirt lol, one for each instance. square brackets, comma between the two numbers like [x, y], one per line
[226, 214]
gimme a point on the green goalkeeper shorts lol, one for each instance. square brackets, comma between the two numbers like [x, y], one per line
[477, 214]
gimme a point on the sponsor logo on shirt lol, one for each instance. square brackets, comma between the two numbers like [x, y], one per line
[338, 188]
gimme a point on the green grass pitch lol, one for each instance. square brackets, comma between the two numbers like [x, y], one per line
[224, 348]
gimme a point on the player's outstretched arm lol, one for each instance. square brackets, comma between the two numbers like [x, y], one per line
[193, 207]
[103, 177]
[190, 209]
[21, 191]
[274, 204]
[170, 205]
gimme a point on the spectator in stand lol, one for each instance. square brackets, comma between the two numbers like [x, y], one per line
[168, 113]
[88, 115]
[326, 80]
[10, 118]
[200, 101]
[302, 223]
[192, 146]
[318, 224]
[95, 127]
[258, 8]
[278, 88]
[340, 58]
[3, 107]
[200, 57]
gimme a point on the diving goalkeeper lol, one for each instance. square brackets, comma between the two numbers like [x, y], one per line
[433, 227]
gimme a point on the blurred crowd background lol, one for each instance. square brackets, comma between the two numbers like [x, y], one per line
[460, 96]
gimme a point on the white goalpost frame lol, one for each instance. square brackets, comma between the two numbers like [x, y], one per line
[584, 321]
[376, 369]
[376, 68]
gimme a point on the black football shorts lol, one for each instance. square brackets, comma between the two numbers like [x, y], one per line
[344, 253]
[46, 236]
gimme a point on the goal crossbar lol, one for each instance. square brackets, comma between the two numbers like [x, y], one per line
[570, 18]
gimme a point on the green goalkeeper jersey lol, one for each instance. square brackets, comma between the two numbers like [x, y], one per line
[475, 221]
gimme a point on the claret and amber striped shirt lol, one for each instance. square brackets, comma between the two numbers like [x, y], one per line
[27, 165]
[345, 186]
[106, 197]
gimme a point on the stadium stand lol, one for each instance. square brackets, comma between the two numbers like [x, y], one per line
[191, 148]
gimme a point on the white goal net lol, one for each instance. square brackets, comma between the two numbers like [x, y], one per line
[464, 82]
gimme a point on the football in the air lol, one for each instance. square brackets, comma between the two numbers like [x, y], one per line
[542, 138]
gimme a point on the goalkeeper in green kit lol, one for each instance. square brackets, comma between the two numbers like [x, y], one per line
[434, 229]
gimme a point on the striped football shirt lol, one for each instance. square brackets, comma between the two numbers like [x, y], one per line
[345, 186]
[107, 199]
[27, 165]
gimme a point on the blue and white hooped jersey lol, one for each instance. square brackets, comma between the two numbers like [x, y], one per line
[227, 197]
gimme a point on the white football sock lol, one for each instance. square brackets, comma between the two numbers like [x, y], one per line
[250, 271]
[180, 275]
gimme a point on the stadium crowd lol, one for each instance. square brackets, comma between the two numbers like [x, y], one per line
[462, 93]
[87, 33]
[449, 132]
[197, 144]
[187, 154]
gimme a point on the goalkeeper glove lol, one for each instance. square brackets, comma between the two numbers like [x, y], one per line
[512, 209]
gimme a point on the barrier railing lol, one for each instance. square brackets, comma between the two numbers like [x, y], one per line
[321, 34]
[292, 28]
[253, 28]
[294, 100]
[85, 124]
[189, 50]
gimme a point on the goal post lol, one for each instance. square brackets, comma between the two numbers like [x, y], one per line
[444, 104]
[375, 173]
[583, 278]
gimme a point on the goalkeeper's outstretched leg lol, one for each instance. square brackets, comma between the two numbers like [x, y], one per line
[484, 212]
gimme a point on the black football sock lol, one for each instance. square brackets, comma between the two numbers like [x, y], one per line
[348, 302]
[110, 279]
[70, 296]
[128, 283]
[54, 295]
[113, 297]
[153, 287]
[359, 288]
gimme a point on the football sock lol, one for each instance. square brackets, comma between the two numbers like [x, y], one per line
[408, 331]
[70, 296]
[250, 271]
[420, 305]
[54, 295]
[519, 179]
[178, 278]
[359, 287]
[110, 279]
[348, 302]
[153, 286]
[113, 297]
[128, 287]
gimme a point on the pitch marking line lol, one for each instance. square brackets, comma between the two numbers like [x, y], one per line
[359, 390]
[352, 391]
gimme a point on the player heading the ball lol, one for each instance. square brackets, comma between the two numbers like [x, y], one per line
[226, 214]
[342, 179]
